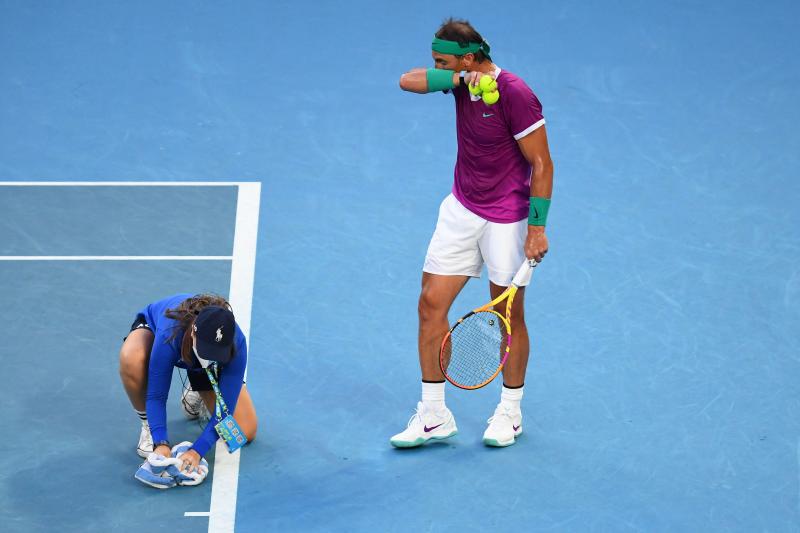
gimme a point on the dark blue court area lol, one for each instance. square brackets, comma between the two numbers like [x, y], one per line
[663, 392]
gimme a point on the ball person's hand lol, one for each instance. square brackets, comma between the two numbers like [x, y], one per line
[163, 450]
[190, 461]
[536, 243]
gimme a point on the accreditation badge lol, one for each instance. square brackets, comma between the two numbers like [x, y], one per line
[229, 431]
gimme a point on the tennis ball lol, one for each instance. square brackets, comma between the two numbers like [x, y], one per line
[488, 84]
[491, 98]
[474, 90]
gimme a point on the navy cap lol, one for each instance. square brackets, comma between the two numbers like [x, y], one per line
[214, 332]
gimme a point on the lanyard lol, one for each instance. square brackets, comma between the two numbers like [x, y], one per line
[220, 403]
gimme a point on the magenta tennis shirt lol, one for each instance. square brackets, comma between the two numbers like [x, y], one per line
[492, 177]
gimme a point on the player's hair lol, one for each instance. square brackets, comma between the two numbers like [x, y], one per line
[185, 314]
[463, 33]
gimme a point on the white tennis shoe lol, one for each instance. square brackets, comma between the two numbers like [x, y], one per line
[425, 425]
[504, 426]
[145, 446]
[192, 405]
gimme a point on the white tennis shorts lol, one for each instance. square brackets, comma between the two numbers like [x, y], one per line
[463, 242]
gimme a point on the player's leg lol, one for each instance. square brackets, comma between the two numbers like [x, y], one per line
[134, 357]
[435, 299]
[432, 419]
[453, 257]
[502, 247]
[517, 364]
[245, 412]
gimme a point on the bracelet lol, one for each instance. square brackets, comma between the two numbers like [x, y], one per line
[160, 443]
[537, 215]
[439, 79]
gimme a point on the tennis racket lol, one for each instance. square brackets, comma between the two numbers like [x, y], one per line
[477, 346]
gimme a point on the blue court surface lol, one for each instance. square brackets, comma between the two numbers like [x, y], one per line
[663, 392]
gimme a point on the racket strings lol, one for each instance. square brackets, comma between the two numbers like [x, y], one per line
[474, 350]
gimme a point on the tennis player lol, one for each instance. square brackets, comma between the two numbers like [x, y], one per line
[190, 332]
[495, 215]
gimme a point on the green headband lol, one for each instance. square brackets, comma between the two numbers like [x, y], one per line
[454, 48]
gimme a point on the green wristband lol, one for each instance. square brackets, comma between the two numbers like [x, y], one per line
[439, 79]
[537, 216]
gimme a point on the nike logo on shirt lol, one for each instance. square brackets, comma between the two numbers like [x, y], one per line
[487, 115]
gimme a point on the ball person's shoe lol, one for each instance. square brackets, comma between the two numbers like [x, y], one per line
[145, 446]
[504, 426]
[425, 425]
[192, 404]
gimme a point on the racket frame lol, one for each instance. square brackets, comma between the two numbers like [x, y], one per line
[505, 320]
[509, 294]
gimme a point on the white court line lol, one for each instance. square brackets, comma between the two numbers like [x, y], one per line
[115, 257]
[243, 268]
[196, 513]
[124, 183]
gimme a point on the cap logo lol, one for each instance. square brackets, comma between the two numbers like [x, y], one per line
[219, 334]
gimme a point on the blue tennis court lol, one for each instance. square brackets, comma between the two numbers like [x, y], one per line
[263, 151]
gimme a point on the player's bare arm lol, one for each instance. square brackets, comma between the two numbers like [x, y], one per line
[535, 149]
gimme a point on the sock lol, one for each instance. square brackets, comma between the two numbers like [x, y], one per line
[511, 398]
[433, 395]
[142, 416]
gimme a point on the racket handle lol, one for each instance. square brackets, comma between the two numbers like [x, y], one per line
[523, 275]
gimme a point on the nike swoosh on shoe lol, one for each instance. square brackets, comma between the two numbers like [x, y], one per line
[428, 430]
